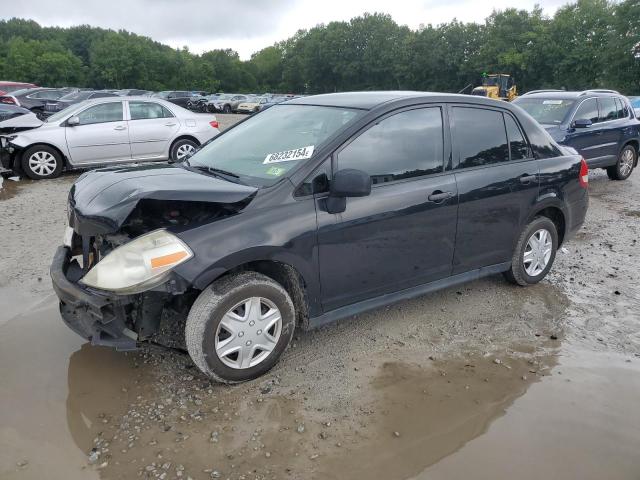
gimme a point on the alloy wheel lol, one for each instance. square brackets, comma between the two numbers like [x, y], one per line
[42, 163]
[626, 162]
[537, 253]
[184, 151]
[248, 333]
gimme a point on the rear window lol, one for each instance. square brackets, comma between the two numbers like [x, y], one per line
[547, 111]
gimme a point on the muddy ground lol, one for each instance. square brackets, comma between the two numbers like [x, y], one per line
[486, 380]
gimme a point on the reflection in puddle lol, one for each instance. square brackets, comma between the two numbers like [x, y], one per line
[10, 186]
[580, 422]
[422, 415]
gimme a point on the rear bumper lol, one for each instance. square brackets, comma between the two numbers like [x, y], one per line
[578, 212]
[98, 318]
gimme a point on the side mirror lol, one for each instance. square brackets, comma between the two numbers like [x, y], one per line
[347, 183]
[73, 121]
[582, 123]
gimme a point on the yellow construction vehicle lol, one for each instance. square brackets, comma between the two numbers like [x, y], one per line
[500, 86]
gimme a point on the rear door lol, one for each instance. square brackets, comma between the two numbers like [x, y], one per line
[589, 142]
[497, 181]
[151, 127]
[611, 124]
[102, 135]
[403, 233]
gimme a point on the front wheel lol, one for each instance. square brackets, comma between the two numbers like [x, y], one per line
[41, 162]
[534, 253]
[239, 326]
[624, 166]
[226, 109]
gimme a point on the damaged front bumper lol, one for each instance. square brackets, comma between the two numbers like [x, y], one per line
[101, 319]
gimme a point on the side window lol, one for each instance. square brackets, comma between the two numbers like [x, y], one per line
[481, 136]
[106, 112]
[518, 146]
[404, 145]
[147, 110]
[608, 109]
[588, 110]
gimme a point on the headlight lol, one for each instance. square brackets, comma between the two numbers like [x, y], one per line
[138, 265]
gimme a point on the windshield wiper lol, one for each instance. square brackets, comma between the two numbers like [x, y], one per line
[216, 172]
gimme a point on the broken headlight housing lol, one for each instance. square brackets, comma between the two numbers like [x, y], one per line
[138, 265]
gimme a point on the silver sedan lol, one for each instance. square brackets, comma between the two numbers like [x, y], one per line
[109, 131]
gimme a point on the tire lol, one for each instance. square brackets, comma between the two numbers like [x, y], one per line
[625, 164]
[182, 149]
[211, 108]
[523, 272]
[41, 162]
[204, 331]
[226, 109]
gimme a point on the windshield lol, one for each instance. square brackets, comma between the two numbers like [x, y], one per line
[75, 96]
[546, 111]
[263, 148]
[64, 112]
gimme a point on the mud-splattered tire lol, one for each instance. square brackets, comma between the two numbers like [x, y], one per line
[203, 331]
[40, 162]
[522, 271]
[625, 164]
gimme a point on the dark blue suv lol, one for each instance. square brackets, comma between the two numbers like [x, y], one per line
[600, 124]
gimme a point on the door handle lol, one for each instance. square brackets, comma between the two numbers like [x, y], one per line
[170, 124]
[439, 196]
[525, 179]
[120, 127]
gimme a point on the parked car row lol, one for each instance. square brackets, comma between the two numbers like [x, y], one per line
[102, 131]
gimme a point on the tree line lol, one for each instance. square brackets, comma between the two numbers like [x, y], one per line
[586, 44]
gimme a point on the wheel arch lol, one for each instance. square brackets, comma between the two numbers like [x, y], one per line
[556, 215]
[286, 275]
[23, 150]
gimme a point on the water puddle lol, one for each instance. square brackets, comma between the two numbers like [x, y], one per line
[580, 422]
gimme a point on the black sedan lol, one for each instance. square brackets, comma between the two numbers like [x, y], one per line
[71, 98]
[33, 99]
[317, 209]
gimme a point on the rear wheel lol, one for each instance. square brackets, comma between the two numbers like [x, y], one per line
[227, 109]
[624, 166]
[182, 149]
[534, 253]
[41, 161]
[239, 326]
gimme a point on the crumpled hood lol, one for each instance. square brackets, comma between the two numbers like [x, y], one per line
[22, 122]
[101, 200]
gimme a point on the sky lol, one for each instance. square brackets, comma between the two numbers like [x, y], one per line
[246, 25]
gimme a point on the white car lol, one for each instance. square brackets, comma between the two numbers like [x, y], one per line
[108, 131]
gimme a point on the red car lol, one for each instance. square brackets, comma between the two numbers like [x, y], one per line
[7, 87]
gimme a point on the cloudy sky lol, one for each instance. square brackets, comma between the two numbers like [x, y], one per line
[245, 25]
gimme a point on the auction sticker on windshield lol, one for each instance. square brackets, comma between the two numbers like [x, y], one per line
[288, 155]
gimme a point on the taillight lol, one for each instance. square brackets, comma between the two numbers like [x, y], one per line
[8, 100]
[584, 174]
[214, 124]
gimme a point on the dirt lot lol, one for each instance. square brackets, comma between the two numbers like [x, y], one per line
[482, 381]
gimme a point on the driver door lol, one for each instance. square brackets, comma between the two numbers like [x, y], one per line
[101, 137]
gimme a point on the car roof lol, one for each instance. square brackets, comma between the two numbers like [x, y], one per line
[370, 100]
[564, 95]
